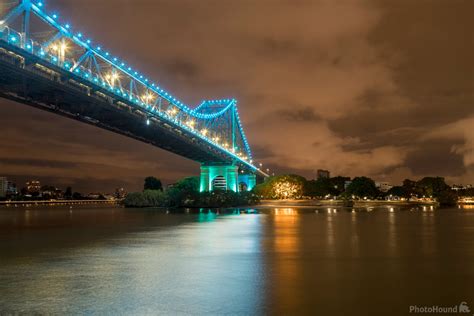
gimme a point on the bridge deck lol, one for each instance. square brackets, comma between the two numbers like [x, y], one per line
[29, 80]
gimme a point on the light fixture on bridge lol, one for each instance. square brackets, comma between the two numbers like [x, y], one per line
[147, 97]
[191, 123]
[173, 111]
[147, 121]
[204, 132]
[112, 77]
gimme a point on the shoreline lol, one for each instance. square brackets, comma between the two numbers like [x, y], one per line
[14, 204]
[341, 203]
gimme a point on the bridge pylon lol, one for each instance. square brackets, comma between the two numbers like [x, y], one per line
[226, 178]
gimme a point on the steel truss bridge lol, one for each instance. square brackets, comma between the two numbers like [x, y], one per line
[46, 64]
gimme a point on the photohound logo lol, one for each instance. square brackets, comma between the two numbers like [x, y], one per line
[456, 309]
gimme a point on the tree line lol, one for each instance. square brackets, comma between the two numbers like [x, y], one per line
[295, 186]
[185, 193]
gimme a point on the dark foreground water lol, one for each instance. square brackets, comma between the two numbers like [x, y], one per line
[279, 261]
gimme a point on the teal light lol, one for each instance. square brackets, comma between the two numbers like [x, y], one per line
[209, 175]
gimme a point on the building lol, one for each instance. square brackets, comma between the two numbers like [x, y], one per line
[11, 189]
[347, 184]
[3, 187]
[459, 187]
[33, 186]
[323, 174]
[383, 186]
[120, 193]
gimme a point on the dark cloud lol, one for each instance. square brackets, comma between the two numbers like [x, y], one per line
[435, 158]
[299, 114]
[37, 163]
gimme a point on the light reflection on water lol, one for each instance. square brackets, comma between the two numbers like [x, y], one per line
[332, 261]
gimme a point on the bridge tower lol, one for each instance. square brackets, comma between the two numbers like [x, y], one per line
[225, 177]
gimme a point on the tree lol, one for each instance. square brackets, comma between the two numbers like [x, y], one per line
[338, 184]
[399, 191]
[318, 188]
[189, 184]
[362, 187]
[77, 196]
[432, 186]
[185, 192]
[152, 183]
[68, 193]
[147, 198]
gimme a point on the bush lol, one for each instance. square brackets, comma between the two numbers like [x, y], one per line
[147, 198]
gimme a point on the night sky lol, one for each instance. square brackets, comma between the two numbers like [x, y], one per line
[378, 88]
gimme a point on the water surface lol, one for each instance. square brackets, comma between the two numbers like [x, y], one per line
[335, 261]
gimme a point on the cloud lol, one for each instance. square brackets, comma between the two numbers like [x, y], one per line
[460, 135]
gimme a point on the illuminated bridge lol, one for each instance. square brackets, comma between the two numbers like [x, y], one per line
[45, 63]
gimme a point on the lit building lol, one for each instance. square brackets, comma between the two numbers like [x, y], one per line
[383, 186]
[458, 187]
[11, 189]
[3, 187]
[33, 186]
[323, 174]
[120, 193]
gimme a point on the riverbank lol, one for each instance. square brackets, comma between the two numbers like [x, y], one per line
[7, 204]
[329, 203]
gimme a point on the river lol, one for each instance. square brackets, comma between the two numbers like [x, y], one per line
[287, 261]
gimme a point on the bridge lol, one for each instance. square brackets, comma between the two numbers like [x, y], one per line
[46, 64]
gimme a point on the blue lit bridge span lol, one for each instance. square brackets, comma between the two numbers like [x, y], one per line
[47, 64]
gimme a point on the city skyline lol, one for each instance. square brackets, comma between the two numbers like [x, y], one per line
[350, 94]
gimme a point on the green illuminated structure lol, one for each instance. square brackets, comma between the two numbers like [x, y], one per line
[225, 177]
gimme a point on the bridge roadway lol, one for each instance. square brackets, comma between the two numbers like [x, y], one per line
[28, 79]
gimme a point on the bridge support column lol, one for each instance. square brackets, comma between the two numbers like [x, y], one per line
[219, 177]
[247, 181]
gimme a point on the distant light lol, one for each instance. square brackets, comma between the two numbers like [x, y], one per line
[88, 41]
[28, 46]
[55, 16]
[99, 48]
[40, 4]
[79, 35]
[13, 38]
[67, 26]
[147, 122]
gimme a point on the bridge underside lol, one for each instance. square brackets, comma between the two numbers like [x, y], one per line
[41, 86]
